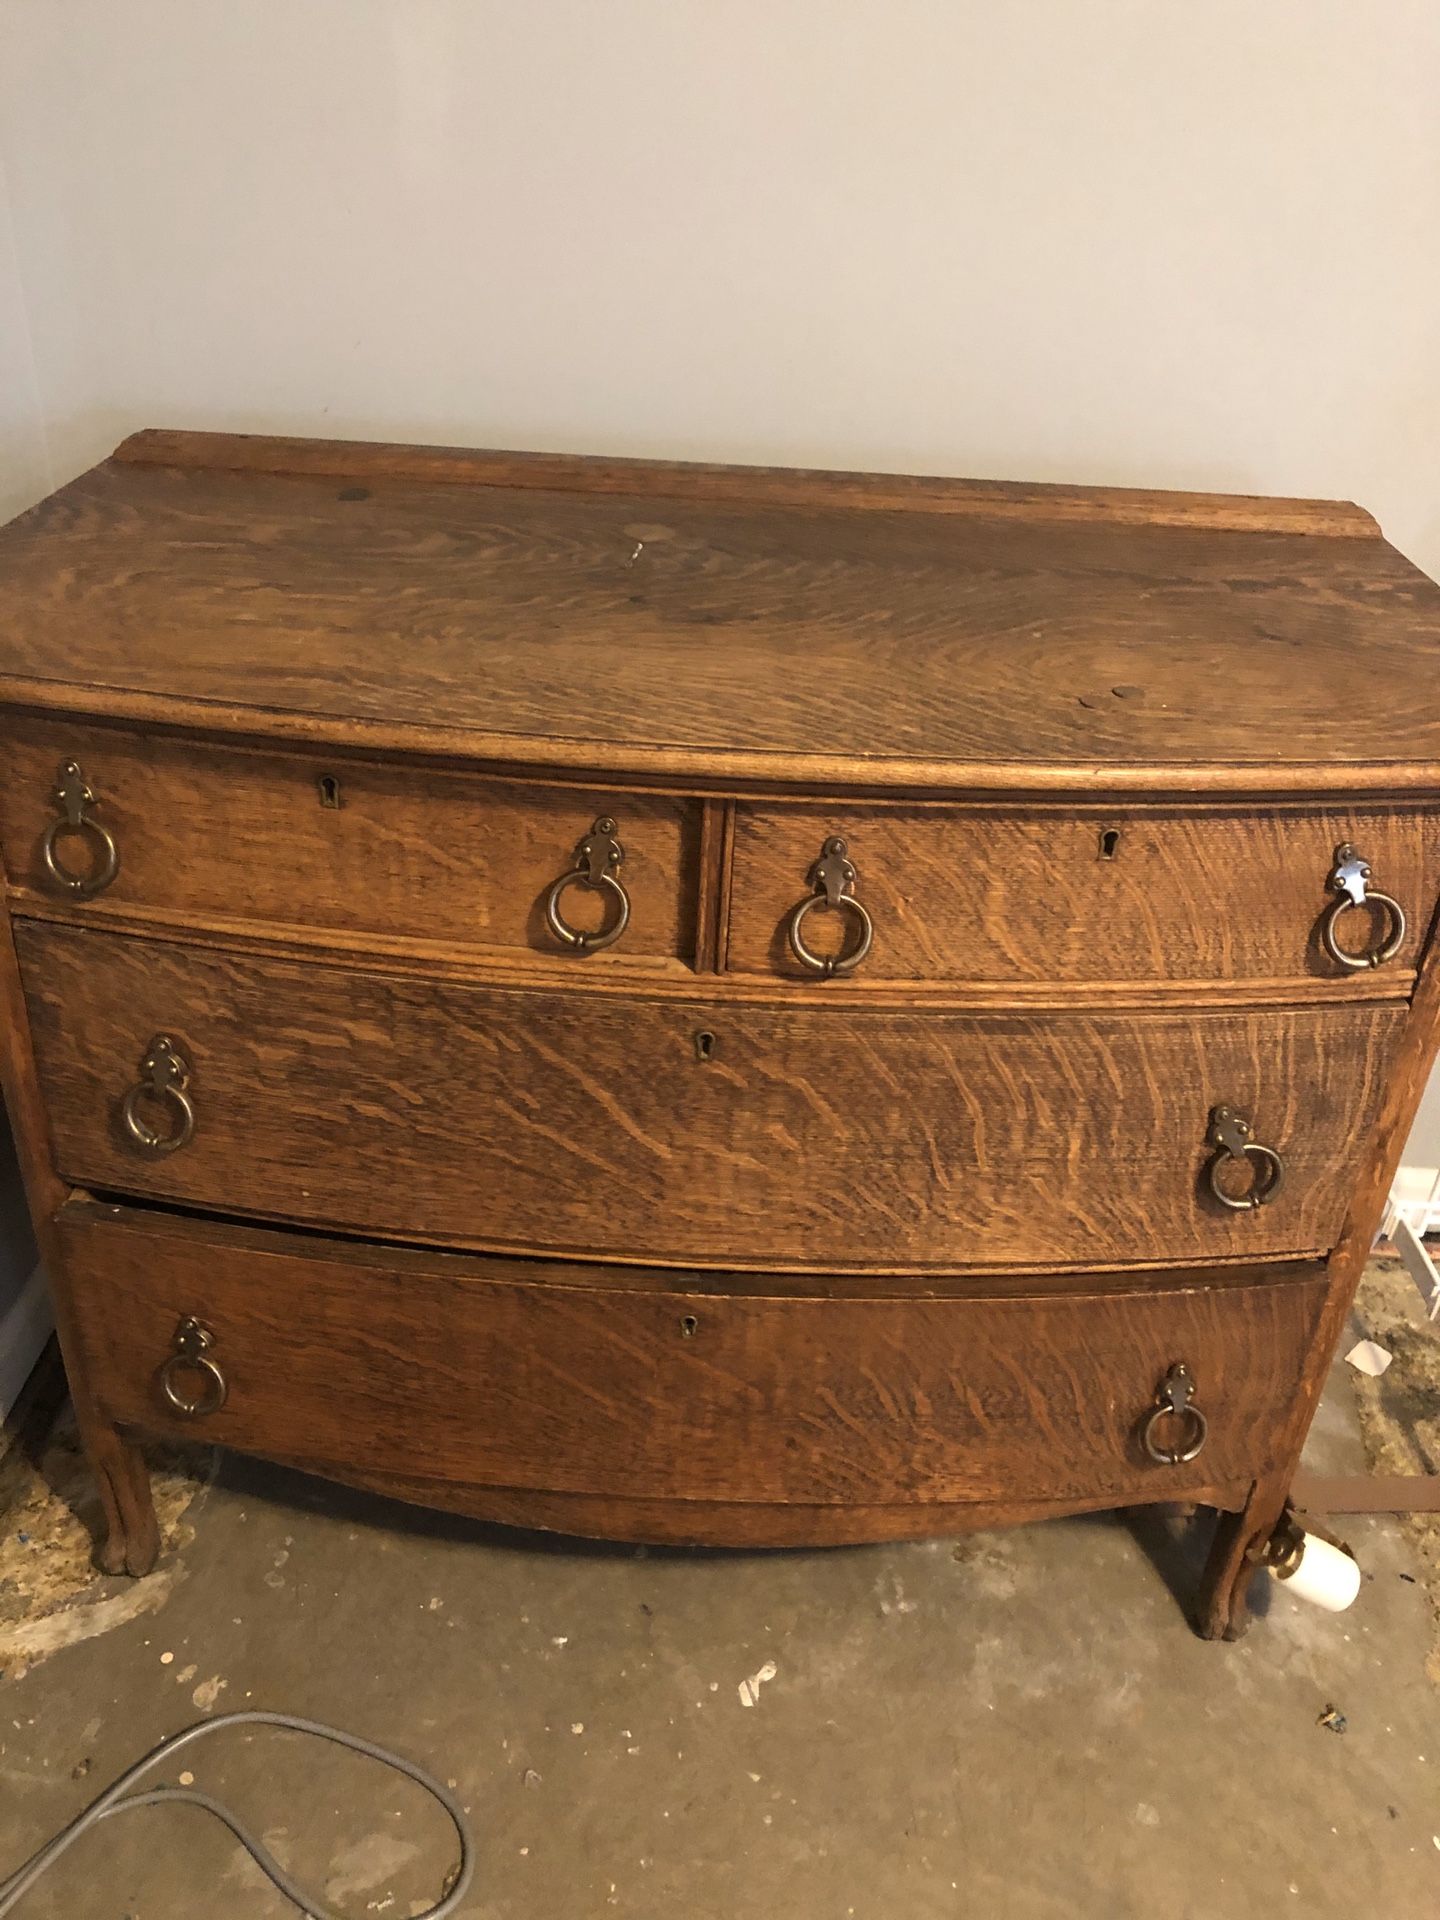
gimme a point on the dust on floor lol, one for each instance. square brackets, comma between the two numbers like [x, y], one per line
[1400, 1410]
[51, 1595]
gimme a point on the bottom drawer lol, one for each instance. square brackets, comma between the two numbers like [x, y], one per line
[440, 1375]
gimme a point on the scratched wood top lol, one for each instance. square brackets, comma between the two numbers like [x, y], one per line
[725, 625]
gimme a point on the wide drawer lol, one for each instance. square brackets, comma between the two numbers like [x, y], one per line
[721, 1134]
[1079, 894]
[381, 852]
[445, 1372]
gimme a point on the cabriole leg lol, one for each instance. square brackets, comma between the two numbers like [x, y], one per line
[1222, 1608]
[132, 1536]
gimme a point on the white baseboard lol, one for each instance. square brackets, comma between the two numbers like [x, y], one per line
[25, 1326]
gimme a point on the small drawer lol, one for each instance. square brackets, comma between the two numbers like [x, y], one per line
[374, 853]
[1077, 895]
[716, 1134]
[442, 1373]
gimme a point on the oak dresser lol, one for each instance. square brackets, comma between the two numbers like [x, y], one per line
[710, 1005]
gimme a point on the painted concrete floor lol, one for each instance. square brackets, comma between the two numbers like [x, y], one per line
[1015, 1726]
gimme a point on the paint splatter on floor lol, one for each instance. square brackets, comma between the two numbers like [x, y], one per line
[1400, 1411]
[51, 1595]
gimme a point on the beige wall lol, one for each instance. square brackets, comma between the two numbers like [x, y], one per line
[1120, 240]
[25, 471]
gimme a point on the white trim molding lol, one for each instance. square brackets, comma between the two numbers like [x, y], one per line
[1414, 1211]
[1414, 1198]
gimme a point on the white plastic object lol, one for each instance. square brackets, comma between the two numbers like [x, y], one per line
[1321, 1573]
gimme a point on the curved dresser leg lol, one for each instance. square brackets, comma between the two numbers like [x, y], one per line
[1222, 1607]
[131, 1540]
[132, 1536]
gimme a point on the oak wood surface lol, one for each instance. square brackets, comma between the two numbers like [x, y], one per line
[453, 1376]
[439, 862]
[539, 1121]
[749, 1525]
[772, 486]
[1079, 893]
[204, 831]
[903, 1250]
[470, 963]
[130, 1540]
[727, 638]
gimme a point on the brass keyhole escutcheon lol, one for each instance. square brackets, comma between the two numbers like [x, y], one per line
[689, 1326]
[704, 1046]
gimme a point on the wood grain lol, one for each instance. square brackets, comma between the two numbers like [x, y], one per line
[455, 1376]
[207, 831]
[881, 1257]
[771, 486]
[810, 1139]
[129, 1540]
[1029, 896]
[723, 640]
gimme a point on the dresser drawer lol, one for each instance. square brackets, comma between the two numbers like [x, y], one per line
[374, 853]
[809, 1136]
[1044, 896]
[445, 1371]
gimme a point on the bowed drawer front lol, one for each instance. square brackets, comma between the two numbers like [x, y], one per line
[369, 853]
[1084, 896]
[676, 1393]
[791, 1136]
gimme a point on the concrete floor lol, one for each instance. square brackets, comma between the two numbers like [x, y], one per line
[1015, 1726]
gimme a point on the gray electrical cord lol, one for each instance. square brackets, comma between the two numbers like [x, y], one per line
[115, 1799]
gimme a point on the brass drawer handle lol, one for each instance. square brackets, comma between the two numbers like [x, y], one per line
[1232, 1137]
[191, 1354]
[1349, 880]
[596, 859]
[165, 1076]
[74, 796]
[1175, 1400]
[833, 877]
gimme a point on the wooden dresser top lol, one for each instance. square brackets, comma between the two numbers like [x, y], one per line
[726, 625]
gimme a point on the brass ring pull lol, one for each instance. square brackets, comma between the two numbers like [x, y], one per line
[191, 1344]
[1174, 1400]
[833, 877]
[166, 1075]
[1233, 1138]
[596, 859]
[1349, 880]
[74, 796]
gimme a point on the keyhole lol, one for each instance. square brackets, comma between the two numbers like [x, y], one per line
[688, 1326]
[329, 790]
[704, 1046]
[1109, 841]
